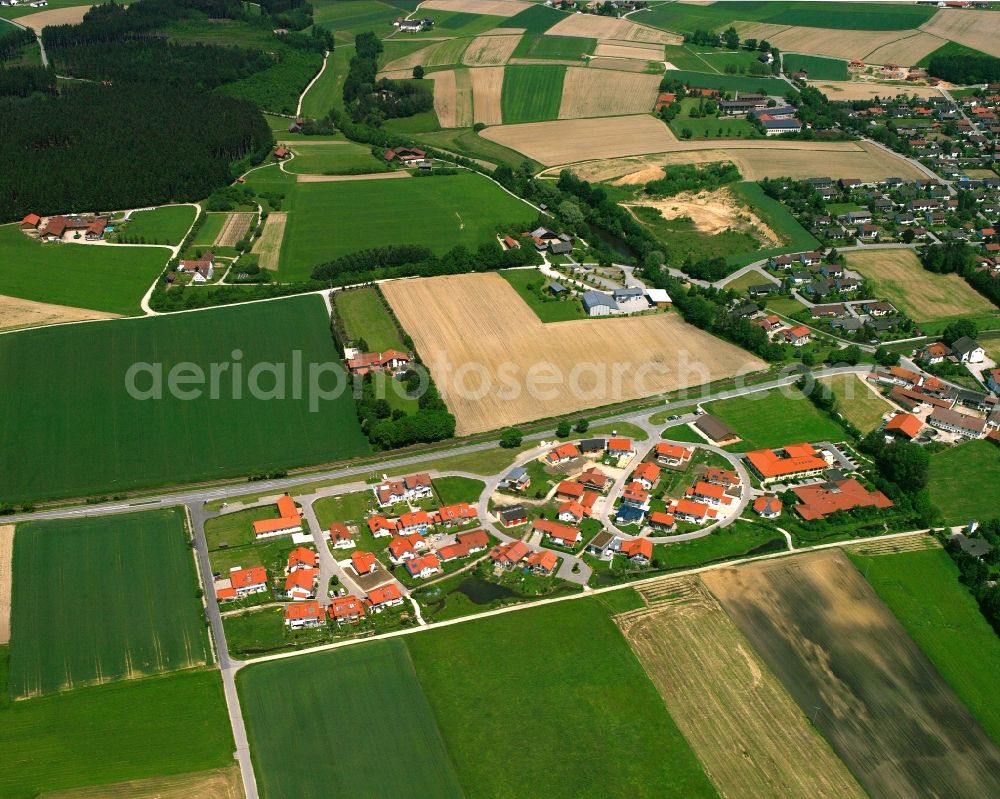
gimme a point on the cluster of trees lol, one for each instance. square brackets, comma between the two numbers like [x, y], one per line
[390, 429]
[691, 177]
[977, 573]
[965, 69]
[13, 40]
[369, 101]
[123, 146]
[958, 257]
[903, 472]
[730, 39]
[178, 299]
[26, 81]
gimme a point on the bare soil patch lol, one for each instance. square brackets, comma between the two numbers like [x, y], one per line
[567, 140]
[641, 176]
[489, 51]
[268, 245]
[6, 579]
[339, 178]
[748, 733]
[16, 313]
[849, 664]
[975, 29]
[906, 51]
[487, 87]
[866, 90]
[845, 43]
[222, 783]
[712, 213]
[629, 50]
[517, 369]
[445, 97]
[234, 229]
[595, 93]
[592, 26]
[54, 16]
[493, 8]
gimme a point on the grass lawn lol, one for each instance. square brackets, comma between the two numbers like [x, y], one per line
[365, 316]
[75, 430]
[458, 489]
[954, 471]
[713, 128]
[565, 47]
[923, 590]
[819, 68]
[737, 540]
[536, 19]
[165, 225]
[787, 306]
[574, 675]
[773, 214]
[347, 19]
[271, 553]
[457, 24]
[465, 141]
[333, 158]
[752, 278]
[767, 419]
[531, 93]
[210, 229]
[686, 240]
[528, 283]
[437, 212]
[236, 529]
[425, 121]
[111, 279]
[729, 83]
[327, 92]
[633, 431]
[77, 616]
[342, 712]
[257, 632]
[682, 432]
[344, 508]
[155, 727]
[861, 406]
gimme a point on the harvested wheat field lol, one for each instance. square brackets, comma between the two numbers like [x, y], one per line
[566, 140]
[979, 30]
[268, 245]
[591, 26]
[16, 313]
[517, 369]
[908, 50]
[842, 43]
[489, 51]
[493, 8]
[6, 558]
[924, 296]
[713, 212]
[642, 52]
[596, 93]
[619, 64]
[487, 86]
[748, 733]
[54, 16]
[866, 90]
[406, 63]
[849, 664]
[234, 228]
[453, 97]
[220, 783]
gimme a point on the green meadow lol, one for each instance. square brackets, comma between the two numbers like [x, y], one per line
[819, 68]
[333, 158]
[167, 224]
[365, 316]
[98, 599]
[76, 430]
[767, 419]
[111, 279]
[531, 93]
[954, 471]
[540, 46]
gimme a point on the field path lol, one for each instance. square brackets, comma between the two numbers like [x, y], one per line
[339, 178]
[6, 561]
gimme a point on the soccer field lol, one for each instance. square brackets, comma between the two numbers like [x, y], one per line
[102, 599]
[71, 427]
[357, 717]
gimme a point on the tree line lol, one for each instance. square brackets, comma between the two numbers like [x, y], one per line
[965, 68]
[370, 101]
[957, 257]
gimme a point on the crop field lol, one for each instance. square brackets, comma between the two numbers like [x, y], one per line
[365, 317]
[72, 578]
[867, 90]
[156, 727]
[748, 733]
[954, 470]
[165, 225]
[539, 45]
[532, 93]
[219, 783]
[975, 29]
[818, 68]
[330, 709]
[591, 26]
[6, 581]
[600, 92]
[54, 16]
[347, 19]
[438, 212]
[924, 296]
[498, 8]
[568, 656]
[537, 19]
[514, 342]
[452, 97]
[489, 51]
[861, 406]
[487, 89]
[268, 244]
[848, 663]
[567, 140]
[15, 313]
[107, 440]
[109, 279]
[333, 158]
[774, 418]
[631, 50]
[210, 229]
[234, 228]
[458, 24]
[470, 142]
[874, 47]
[923, 590]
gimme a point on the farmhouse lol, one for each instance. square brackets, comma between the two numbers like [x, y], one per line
[341, 537]
[301, 584]
[385, 596]
[409, 489]
[638, 550]
[459, 513]
[507, 556]
[364, 562]
[361, 363]
[542, 562]
[424, 566]
[289, 521]
[673, 455]
[903, 425]
[767, 506]
[562, 453]
[820, 500]
[31, 222]
[300, 615]
[405, 155]
[201, 269]
[716, 430]
[958, 423]
[241, 583]
[560, 534]
[346, 609]
[788, 463]
[968, 351]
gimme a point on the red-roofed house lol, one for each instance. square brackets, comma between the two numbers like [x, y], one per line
[561, 534]
[635, 494]
[791, 462]
[465, 544]
[364, 562]
[726, 478]
[708, 492]
[301, 558]
[689, 511]
[507, 556]
[904, 425]
[767, 506]
[460, 513]
[542, 562]
[673, 455]
[797, 336]
[595, 479]
[563, 453]
[424, 566]
[388, 361]
[341, 537]
[31, 222]
[617, 447]
[385, 596]
[821, 499]
[638, 550]
[346, 609]
[289, 521]
[411, 488]
[662, 521]
[380, 526]
[301, 584]
[299, 615]
[241, 582]
[647, 474]
[404, 547]
[571, 512]
[569, 490]
[201, 269]
[414, 522]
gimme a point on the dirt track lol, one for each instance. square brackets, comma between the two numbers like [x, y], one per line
[6, 578]
[221, 783]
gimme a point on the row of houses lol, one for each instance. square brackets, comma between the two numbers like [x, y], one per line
[343, 610]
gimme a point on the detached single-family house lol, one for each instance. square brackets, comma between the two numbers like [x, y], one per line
[459, 513]
[517, 479]
[647, 474]
[361, 363]
[638, 550]
[341, 537]
[767, 506]
[380, 526]
[301, 615]
[411, 488]
[385, 596]
[560, 534]
[414, 522]
[797, 336]
[674, 456]
[507, 556]
[562, 453]
[968, 351]
[404, 547]
[301, 584]
[664, 522]
[346, 609]
[512, 515]
[933, 353]
[542, 562]
[619, 447]
[364, 562]
[690, 511]
[201, 269]
[301, 558]
[709, 493]
[594, 479]
[424, 566]
[241, 583]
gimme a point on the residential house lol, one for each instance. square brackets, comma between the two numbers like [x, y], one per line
[635, 494]
[877, 308]
[638, 550]
[594, 479]
[361, 363]
[819, 500]
[560, 534]
[647, 474]
[411, 488]
[961, 424]
[414, 522]
[241, 583]
[379, 526]
[302, 615]
[620, 447]
[933, 353]
[424, 566]
[507, 556]
[542, 562]
[301, 558]
[512, 515]
[30, 222]
[726, 478]
[792, 462]
[601, 543]
[664, 522]
[797, 336]
[364, 562]
[465, 544]
[968, 351]
[289, 520]
[571, 512]
[769, 323]
[562, 453]
[629, 514]
[405, 155]
[517, 479]
[569, 490]
[385, 596]
[341, 537]
[709, 493]
[201, 269]
[687, 510]
[460, 513]
[674, 456]
[592, 446]
[301, 584]
[404, 547]
[346, 609]
[767, 506]
[993, 380]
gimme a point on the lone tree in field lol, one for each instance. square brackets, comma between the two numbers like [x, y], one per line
[511, 438]
[562, 430]
[418, 72]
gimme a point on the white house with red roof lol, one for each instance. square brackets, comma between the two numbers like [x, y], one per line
[664, 522]
[385, 596]
[346, 609]
[620, 447]
[647, 475]
[301, 615]
[364, 562]
[687, 510]
[411, 488]
[638, 550]
[465, 544]
[709, 493]
[301, 558]
[507, 556]
[460, 513]
[423, 567]
[673, 455]
[341, 536]
[414, 522]
[241, 583]
[561, 534]
[301, 584]
[405, 547]
[767, 506]
[289, 520]
[380, 526]
[562, 453]
[361, 363]
[542, 562]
